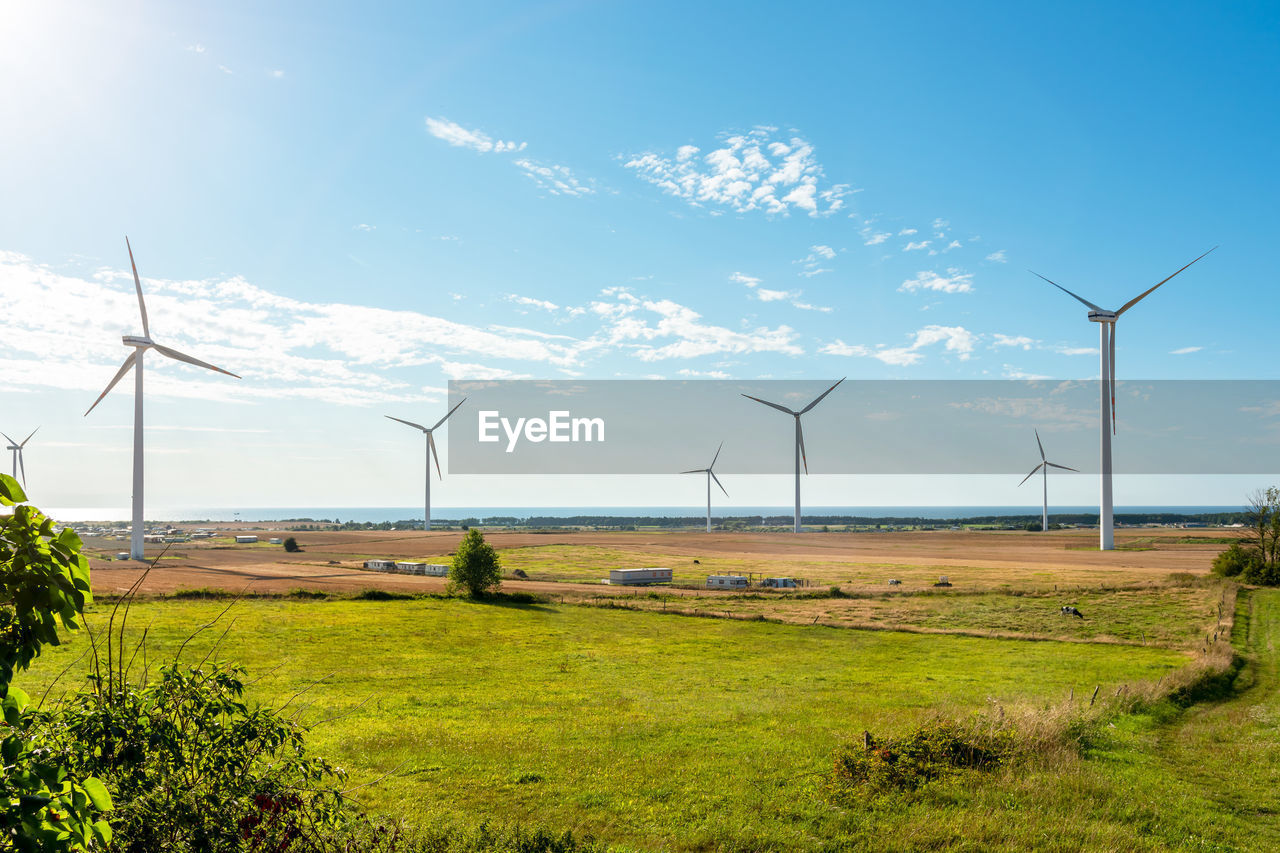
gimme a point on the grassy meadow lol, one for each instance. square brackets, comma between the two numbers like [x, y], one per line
[647, 730]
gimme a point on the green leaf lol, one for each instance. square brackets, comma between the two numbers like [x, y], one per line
[98, 794]
[10, 492]
[102, 829]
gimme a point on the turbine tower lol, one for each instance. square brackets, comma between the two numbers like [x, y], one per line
[134, 360]
[1106, 321]
[431, 451]
[1044, 467]
[800, 454]
[711, 475]
[16, 447]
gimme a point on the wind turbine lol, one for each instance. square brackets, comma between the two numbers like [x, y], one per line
[1106, 321]
[1044, 467]
[17, 455]
[134, 360]
[711, 475]
[431, 451]
[800, 454]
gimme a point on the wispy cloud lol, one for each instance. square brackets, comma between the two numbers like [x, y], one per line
[766, 295]
[530, 302]
[872, 237]
[477, 140]
[1021, 341]
[916, 246]
[956, 340]
[998, 257]
[364, 227]
[955, 281]
[758, 170]
[811, 264]
[557, 180]
[275, 73]
[1185, 350]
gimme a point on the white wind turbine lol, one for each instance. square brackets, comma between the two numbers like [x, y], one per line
[711, 475]
[431, 451]
[1044, 467]
[1106, 321]
[17, 455]
[800, 454]
[140, 346]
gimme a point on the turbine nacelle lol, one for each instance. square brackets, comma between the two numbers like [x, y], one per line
[1103, 316]
[137, 341]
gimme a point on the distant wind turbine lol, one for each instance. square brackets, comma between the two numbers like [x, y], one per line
[134, 360]
[1044, 467]
[711, 475]
[1106, 321]
[17, 455]
[431, 451]
[800, 454]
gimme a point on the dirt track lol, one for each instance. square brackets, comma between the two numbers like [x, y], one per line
[331, 560]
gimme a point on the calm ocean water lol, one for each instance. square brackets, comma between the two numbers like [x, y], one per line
[379, 514]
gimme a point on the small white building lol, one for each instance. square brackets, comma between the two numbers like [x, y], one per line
[639, 577]
[246, 539]
[409, 568]
[275, 540]
[123, 555]
[380, 565]
[726, 582]
[436, 570]
[780, 583]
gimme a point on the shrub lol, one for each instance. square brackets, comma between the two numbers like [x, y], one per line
[476, 568]
[933, 751]
[291, 545]
[1236, 561]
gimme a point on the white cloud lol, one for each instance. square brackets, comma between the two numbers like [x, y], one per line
[751, 171]
[742, 278]
[477, 140]
[708, 374]
[196, 48]
[530, 302]
[954, 281]
[874, 238]
[915, 247]
[766, 295]
[823, 251]
[557, 180]
[955, 339]
[364, 227]
[940, 224]
[811, 264]
[1185, 350]
[1076, 350]
[954, 244]
[998, 257]
[906, 232]
[225, 70]
[276, 73]
[1011, 372]
[1011, 341]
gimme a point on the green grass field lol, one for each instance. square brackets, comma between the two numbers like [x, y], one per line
[648, 730]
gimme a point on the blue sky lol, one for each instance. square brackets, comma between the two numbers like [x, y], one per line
[351, 206]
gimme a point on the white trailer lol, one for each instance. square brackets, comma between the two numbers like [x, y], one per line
[436, 570]
[726, 582]
[380, 565]
[639, 577]
[275, 540]
[780, 583]
[406, 567]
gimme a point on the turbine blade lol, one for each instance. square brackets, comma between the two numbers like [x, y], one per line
[1041, 446]
[10, 440]
[1068, 292]
[695, 471]
[1134, 301]
[124, 368]
[451, 411]
[410, 423]
[22, 466]
[28, 438]
[180, 356]
[137, 283]
[800, 439]
[771, 405]
[718, 483]
[820, 396]
[431, 444]
[1112, 337]
[717, 456]
[1033, 471]
[1063, 467]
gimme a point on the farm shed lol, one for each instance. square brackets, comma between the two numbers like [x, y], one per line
[726, 582]
[246, 539]
[639, 577]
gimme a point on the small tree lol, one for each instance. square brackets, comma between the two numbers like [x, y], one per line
[475, 565]
[291, 545]
[1258, 559]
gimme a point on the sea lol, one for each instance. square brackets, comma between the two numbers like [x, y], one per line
[378, 514]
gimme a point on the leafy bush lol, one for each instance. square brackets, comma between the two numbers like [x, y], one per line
[291, 545]
[1236, 561]
[44, 584]
[476, 568]
[933, 751]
